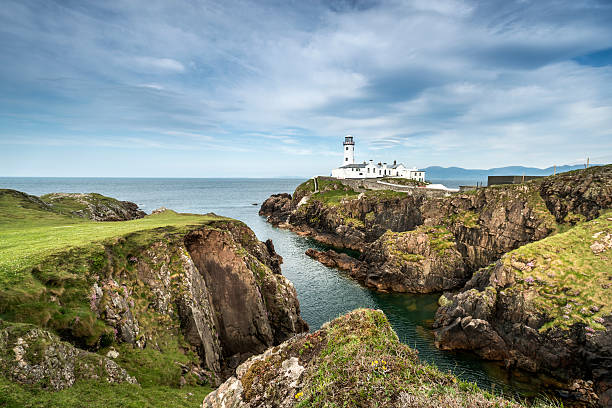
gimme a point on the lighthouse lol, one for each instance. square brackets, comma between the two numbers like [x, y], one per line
[349, 150]
[365, 170]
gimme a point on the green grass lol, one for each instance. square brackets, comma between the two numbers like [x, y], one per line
[405, 182]
[29, 233]
[48, 259]
[92, 394]
[334, 197]
[49, 262]
[467, 218]
[73, 203]
[362, 363]
[569, 282]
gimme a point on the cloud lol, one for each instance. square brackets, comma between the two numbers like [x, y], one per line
[452, 82]
[155, 65]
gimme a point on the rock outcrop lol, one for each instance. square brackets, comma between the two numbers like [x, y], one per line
[545, 307]
[353, 361]
[30, 355]
[93, 206]
[420, 261]
[337, 260]
[277, 207]
[218, 284]
[578, 195]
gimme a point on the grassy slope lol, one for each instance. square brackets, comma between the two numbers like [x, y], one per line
[570, 282]
[100, 395]
[28, 233]
[46, 253]
[362, 363]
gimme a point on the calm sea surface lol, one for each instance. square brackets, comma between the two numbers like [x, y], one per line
[324, 293]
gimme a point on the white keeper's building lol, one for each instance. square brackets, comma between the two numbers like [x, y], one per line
[350, 169]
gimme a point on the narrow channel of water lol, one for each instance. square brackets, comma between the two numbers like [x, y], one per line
[324, 293]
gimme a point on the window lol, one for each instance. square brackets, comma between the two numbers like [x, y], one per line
[346, 159]
[346, 147]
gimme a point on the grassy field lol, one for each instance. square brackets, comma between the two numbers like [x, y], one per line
[29, 232]
[47, 253]
[91, 394]
[571, 282]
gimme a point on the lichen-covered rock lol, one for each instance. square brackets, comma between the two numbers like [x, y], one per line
[30, 355]
[218, 287]
[354, 361]
[93, 206]
[337, 260]
[421, 261]
[277, 208]
[484, 224]
[545, 307]
[578, 195]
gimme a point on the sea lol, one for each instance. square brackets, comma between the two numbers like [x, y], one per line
[324, 293]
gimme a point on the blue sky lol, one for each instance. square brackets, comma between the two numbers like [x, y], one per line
[269, 88]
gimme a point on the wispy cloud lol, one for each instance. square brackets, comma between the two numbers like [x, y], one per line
[155, 65]
[451, 82]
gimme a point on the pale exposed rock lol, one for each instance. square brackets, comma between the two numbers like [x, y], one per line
[39, 357]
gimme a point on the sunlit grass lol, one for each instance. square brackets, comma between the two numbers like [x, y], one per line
[571, 282]
[29, 233]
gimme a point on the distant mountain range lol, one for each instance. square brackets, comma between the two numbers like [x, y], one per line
[458, 173]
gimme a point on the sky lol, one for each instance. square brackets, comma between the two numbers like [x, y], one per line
[198, 88]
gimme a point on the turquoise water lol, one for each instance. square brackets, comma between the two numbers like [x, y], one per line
[324, 293]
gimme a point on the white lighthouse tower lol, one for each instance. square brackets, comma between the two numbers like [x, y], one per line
[349, 150]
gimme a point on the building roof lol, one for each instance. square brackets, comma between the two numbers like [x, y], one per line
[354, 166]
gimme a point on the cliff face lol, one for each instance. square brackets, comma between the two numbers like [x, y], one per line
[216, 287]
[417, 243]
[353, 361]
[545, 307]
[345, 223]
[200, 293]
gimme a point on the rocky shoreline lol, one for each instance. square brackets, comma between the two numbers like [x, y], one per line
[456, 244]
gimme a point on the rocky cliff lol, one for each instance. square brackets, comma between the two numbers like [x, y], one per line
[186, 297]
[545, 307]
[353, 361]
[412, 242]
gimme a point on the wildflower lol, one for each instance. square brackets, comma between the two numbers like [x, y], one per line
[589, 329]
[529, 280]
[530, 264]
[584, 310]
[299, 395]
[599, 320]
[566, 317]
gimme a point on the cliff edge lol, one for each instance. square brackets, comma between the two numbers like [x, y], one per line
[169, 301]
